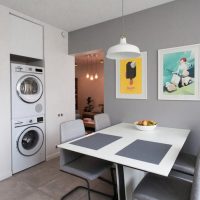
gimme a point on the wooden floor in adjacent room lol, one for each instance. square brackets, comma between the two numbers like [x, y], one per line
[46, 182]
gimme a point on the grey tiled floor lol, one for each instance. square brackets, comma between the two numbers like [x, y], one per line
[46, 182]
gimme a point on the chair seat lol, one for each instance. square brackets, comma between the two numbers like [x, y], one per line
[182, 176]
[87, 167]
[154, 187]
[185, 163]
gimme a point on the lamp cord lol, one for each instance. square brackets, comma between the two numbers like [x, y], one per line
[123, 31]
[88, 64]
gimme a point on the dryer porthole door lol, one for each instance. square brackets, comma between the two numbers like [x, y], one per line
[30, 141]
[29, 88]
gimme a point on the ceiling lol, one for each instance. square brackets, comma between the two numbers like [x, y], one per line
[75, 14]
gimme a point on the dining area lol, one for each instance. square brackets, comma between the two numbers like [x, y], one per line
[144, 164]
[100, 101]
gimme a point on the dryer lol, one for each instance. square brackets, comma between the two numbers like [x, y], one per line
[28, 142]
[27, 88]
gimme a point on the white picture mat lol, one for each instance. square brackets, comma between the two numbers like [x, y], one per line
[161, 96]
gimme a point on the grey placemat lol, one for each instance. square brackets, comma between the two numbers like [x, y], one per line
[96, 141]
[146, 151]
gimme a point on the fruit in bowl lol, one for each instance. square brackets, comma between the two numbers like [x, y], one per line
[145, 125]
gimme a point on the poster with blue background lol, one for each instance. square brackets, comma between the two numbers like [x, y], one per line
[179, 73]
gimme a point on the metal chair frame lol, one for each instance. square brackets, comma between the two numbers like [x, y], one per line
[114, 197]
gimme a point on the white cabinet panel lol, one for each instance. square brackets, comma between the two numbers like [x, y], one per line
[60, 86]
[26, 38]
[5, 110]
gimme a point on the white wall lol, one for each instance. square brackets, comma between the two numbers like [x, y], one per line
[169, 25]
[60, 87]
[5, 106]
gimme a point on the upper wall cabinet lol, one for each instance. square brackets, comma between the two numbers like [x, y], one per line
[26, 38]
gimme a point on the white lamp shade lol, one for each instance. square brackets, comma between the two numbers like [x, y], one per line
[123, 51]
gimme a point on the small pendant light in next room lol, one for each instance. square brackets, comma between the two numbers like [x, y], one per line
[123, 50]
[87, 59]
[96, 67]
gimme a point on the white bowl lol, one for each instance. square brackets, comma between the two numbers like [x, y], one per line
[145, 128]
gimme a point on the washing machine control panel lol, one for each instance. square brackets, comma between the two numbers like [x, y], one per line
[28, 121]
[28, 69]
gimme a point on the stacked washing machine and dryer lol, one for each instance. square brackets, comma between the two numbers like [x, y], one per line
[28, 116]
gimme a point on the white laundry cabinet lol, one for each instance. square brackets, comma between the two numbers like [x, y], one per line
[5, 104]
[47, 44]
[26, 37]
[60, 86]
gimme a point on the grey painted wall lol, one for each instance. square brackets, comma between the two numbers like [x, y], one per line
[169, 25]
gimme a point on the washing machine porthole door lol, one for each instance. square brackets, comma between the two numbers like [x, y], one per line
[29, 88]
[30, 141]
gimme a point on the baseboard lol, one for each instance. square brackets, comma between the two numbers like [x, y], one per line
[6, 175]
[52, 156]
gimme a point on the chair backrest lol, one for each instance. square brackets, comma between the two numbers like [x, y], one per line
[68, 131]
[71, 130]
[195, 193]
[101, 121]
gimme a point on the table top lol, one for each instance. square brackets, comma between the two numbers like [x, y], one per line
[174, 138]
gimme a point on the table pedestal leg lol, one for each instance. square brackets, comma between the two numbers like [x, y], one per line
[120, 182]
[127, 181]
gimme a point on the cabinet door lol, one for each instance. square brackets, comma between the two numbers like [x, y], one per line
[5, 124]
[26, 38]
[60, 86]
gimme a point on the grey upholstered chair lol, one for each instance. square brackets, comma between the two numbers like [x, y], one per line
[79, 165]
[154, 187]
[185, 164]
[101, 121]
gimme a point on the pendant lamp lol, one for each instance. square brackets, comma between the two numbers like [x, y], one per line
[96, 67]
[96, 76]
[91, 78]
[123, 50]
[87, 75]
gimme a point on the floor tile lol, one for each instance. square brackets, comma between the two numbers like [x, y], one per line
[37, 195]
[14, 190]
[46, 182]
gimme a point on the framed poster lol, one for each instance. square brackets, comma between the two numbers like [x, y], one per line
[131, 78]
[178, 73]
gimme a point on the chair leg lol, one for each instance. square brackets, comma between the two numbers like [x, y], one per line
[88, 185]
[88, 189]
[114, 184]
[105, 180]
[73, 190]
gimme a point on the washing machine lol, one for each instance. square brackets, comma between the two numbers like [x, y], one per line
[28, 142]
[27, 88]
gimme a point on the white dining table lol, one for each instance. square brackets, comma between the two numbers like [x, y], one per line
[131, 167]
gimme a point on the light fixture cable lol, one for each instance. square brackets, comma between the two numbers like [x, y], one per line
[123, 27]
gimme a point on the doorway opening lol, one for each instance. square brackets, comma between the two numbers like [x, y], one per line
[89, 86]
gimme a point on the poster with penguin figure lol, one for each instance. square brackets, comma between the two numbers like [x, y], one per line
[179, 73]
[131, 78]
